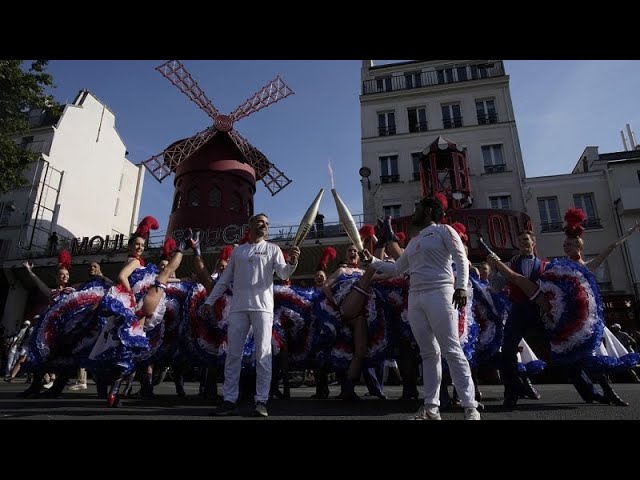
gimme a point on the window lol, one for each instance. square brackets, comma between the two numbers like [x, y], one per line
[500, 201]
[549, 214]
[386, 124]
[479, 71]
[389, 169]
[383, 84]
[415, 160]
[586, 202]
[462, 74]
[391, 211]
[26, 142]
[177, 200]
[6, 209]
[417, 119]
[194, 197]
[215, 197]
[493, 159]
[486, 111]
[445, 75]
[117, 209]
[451, 117]
[236, 202]
[412, 80]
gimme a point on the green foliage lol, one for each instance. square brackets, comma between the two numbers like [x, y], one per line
[20, 91]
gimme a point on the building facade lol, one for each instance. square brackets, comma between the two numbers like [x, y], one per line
[82, 186]
[607, 188]
[406, 106]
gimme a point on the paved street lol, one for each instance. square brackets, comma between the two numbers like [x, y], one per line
[559, 402]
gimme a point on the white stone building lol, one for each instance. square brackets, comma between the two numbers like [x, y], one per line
[82, 186]
[607, 187]
[406, 106]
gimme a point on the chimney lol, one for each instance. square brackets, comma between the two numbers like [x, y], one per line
[632, 140]
[624, 141]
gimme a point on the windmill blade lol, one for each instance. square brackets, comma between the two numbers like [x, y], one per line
[161, 165]
[272, 92]
[274, 179]
[177, 74]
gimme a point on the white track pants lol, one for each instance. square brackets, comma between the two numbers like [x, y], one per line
[238, 327]
[434, 323]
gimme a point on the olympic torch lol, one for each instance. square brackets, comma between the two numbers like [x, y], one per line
[347, 222]
[308, 220]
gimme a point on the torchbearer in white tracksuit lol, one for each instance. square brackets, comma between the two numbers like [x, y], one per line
[434, 298]
[250, 269]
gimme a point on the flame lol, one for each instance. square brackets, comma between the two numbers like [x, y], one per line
[333, 185]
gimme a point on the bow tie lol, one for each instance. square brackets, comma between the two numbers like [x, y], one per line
[530, 257]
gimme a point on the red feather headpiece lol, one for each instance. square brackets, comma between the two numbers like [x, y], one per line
[64, 259]
[443, 200]
[574, 217]
[168, 248]
[401, 237]
[246, 237]
[225, 253]
[148, 223]
[366, 232]
[328, 254]
[462, 231]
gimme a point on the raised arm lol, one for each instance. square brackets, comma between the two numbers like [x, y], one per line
[529, 288]
[283, 269]
[222, 283]
[40, 284]
[593, 265]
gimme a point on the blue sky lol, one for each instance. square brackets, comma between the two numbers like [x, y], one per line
[560, 106]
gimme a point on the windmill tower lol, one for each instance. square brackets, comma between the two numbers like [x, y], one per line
[217, 168]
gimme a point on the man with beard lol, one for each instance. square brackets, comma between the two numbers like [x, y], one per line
[250, 269]
[435, 296]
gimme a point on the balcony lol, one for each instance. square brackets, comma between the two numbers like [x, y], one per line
[589, 224]
[551, 226]
[455, 122]
[431, 78]
[417, 127]
[389, 178]
[499, 168]
[487, 118]
[386, 131]
[592, 223]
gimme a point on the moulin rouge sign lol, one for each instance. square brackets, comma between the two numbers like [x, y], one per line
[113, 243]
[498, 228]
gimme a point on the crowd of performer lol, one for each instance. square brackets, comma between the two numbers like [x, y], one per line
[424, 304]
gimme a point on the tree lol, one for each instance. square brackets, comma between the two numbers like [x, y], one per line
[20, 91]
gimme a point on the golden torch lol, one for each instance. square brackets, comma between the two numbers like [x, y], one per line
[347, 222]
[308, 220]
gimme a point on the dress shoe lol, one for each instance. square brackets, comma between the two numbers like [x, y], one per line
[614, 399]
[409, 394]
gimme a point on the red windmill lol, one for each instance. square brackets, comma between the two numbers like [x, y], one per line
[216, 169]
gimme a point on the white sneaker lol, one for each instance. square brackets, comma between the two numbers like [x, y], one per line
[48, 385]
[427, 413]
[471, 413]
[78, 386]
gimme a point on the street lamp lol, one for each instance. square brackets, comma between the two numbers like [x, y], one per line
[365, 172]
